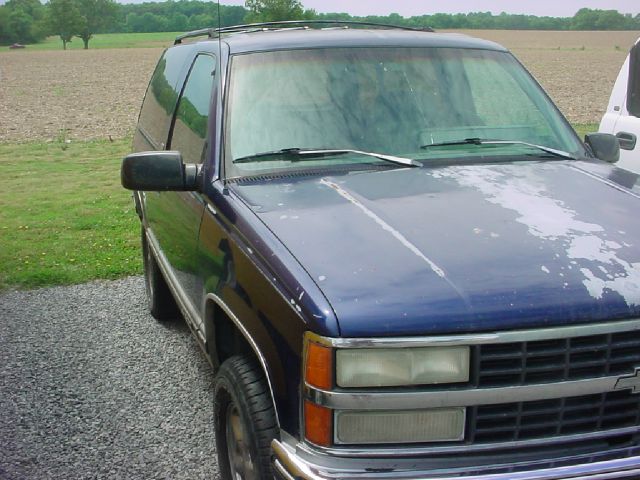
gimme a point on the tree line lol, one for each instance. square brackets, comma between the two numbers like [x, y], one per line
[30, 21]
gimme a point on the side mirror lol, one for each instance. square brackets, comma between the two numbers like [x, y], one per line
[604, 146]
[158, 171]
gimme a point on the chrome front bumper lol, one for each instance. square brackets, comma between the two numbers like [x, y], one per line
[296, 462]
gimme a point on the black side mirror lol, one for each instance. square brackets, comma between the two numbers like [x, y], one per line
[604, 146]
[158, 171]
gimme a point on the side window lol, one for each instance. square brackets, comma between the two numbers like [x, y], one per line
[159, 102]
[633, 88]
[192, 115]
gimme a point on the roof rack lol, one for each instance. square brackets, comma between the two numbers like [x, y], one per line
[216, 32]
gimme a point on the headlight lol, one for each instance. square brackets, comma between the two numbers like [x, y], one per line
[387, 367]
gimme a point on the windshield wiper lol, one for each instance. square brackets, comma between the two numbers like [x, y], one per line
[301, 154]
[479, 141]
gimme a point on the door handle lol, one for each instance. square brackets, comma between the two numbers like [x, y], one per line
[627, 140]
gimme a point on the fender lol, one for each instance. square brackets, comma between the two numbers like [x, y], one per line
[212, 298]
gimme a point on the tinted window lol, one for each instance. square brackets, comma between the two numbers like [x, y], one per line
[190, 128]
[633, 93]
[159, 102]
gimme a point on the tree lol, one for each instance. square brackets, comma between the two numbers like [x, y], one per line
[22, 21]
[133, 22]
[4, 25]
[33, 8]
[231, 15]
[64, 19]
[177, 23]
[274, 10]
[97, 16]
[196, 22]
[153, 23]
[584, 19]
[19, 23]
[611, 20]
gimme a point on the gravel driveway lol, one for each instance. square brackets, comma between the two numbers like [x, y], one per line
[91, 386]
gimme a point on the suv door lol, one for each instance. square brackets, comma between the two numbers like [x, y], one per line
[623, 112]
[174, 217]
[627, 127]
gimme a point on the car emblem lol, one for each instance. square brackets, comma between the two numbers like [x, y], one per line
[629, 382]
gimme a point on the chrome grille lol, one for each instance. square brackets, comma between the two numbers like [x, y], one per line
[557, 417]
[552, 361]
[547, 361]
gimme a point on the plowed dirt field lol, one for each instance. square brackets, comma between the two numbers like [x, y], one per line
[78, 94]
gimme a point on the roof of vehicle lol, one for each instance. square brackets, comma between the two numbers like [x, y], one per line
[300, 38]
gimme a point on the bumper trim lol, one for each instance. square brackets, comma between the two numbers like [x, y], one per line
[288, 465]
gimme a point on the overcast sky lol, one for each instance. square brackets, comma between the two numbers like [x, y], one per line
[407, 8]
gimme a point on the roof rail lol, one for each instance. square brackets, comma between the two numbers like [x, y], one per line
[215, 32]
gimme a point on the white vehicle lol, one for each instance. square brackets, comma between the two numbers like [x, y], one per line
[623, 112]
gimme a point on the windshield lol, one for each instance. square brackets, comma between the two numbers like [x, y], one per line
[389, 101]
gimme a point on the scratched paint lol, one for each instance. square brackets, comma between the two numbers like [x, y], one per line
[385, 226]
[547, 218]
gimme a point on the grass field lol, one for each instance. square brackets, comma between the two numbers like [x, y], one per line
[583, 129]
[111, 40]
[65, 218]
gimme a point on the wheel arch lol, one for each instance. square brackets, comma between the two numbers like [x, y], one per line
[227, 336]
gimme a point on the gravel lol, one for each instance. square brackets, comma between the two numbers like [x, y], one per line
[91, 386]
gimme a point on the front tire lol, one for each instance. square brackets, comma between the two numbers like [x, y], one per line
[160, 300]
[245, 421]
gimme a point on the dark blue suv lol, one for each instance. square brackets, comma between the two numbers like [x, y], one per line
[395, 252]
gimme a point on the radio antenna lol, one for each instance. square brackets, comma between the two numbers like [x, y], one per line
[219, 86]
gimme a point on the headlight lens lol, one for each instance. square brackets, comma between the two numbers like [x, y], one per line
[387, 367]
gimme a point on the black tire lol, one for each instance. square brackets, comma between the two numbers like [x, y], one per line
[161, 303]
[243, 406]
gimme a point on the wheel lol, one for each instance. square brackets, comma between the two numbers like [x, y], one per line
[161, 303]
[245, 421]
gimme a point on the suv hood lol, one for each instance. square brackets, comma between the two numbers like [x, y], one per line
[462, 248]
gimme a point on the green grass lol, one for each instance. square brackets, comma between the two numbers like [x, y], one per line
[65, 218]
[583, 129]
[110, 40]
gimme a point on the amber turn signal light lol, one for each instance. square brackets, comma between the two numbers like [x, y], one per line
[319, 366]
[317, 424]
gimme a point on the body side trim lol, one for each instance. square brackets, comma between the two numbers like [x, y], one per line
[186, 306]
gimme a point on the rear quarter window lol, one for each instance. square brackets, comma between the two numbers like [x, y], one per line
[160, 102]
[192, 115]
